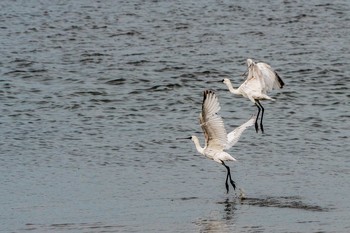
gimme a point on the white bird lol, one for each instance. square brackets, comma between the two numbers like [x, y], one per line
[216, 138]
[261, 78]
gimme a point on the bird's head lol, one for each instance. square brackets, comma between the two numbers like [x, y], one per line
[226, 81]
[249, 62]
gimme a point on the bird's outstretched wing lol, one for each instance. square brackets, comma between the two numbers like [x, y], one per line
[202, 123]
[261, 75]
[211, 123]
[269, 78]
[253, 82]
[233, 137]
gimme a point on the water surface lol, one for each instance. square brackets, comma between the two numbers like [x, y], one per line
[94, 94]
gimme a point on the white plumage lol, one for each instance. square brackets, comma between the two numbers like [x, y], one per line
[261, 79]
[216, 138]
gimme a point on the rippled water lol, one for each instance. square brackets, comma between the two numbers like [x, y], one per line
[94, 93]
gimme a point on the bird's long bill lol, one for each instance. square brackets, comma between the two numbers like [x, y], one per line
[213, 81]
[183, 138]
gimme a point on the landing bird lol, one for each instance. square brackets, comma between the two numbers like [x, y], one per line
[216, 138]
[261, 78]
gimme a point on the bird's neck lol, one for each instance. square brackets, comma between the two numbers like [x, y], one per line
[198, 146]
[232, 90]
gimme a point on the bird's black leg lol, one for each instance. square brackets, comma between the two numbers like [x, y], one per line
[228, 176]
[262, 115]
[231, 181]
[257, 116]
[226, 184]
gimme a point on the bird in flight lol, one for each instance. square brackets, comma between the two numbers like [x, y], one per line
[261, 78]
[216, 138]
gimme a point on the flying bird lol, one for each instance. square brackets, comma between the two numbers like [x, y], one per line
[261, 79]
[216, 138]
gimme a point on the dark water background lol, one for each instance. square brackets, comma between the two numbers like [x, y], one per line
[94, 93]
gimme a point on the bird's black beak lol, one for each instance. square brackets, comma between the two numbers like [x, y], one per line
[183, 138]
[211, 81]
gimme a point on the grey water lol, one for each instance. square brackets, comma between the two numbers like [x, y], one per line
[94, 94]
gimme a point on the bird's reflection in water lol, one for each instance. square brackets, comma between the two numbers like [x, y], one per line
[225, 218]
[229, 209]
[219, 221]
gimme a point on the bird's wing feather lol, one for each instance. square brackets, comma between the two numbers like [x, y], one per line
[201, 122]
[234, 136]
[251, 85]
[269, 78]
[211, 123]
